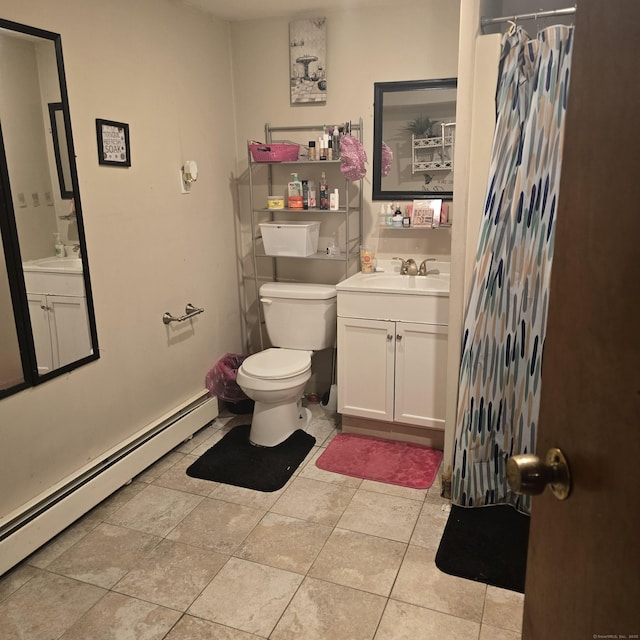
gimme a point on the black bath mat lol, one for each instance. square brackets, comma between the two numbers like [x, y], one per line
[234, 460]
[486, 544]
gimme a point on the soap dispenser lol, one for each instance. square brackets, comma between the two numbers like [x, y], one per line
[295, 193]
[58, 246]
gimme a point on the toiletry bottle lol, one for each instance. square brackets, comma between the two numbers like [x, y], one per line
[334, 248]
[305, 194]
[336, 143]
[323, 149]
[334, 200]
[324, 192]
[295, 193]
[58, 246]
[406, 219]
[312, 195]
[390, 215]
[382, 216]
[312, 150]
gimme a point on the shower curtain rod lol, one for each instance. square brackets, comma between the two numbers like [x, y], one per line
[484, 22]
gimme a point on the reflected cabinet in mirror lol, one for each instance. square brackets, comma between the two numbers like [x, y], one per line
[414, 126]
[47, 324]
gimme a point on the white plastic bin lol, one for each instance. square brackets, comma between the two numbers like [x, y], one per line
[297, 239]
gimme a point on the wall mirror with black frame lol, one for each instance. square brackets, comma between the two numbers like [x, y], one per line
[47, 322]
[414, 139]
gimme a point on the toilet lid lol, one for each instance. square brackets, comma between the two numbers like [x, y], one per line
[277, 363]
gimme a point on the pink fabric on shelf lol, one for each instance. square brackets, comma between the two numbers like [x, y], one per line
[401, 463]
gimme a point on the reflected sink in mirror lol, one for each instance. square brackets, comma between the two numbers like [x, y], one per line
[54, 264]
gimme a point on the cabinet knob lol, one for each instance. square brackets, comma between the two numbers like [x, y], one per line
[389, 337]
[399, 337]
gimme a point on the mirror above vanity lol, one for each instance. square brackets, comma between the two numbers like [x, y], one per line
[47, 324]
[414, 139]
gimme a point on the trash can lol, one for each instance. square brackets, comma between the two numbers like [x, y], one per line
[221, 382]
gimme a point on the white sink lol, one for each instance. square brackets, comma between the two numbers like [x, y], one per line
[432, 284]
[54, 264]
[54, 276]
[390, 296]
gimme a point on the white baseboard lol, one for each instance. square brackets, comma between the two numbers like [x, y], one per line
[33, 524]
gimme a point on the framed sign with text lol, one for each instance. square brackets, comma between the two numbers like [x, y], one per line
[113, 143]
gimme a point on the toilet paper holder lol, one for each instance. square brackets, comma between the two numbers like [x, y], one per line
[189, 312]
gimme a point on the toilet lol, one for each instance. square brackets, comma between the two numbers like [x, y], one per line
[300, 319]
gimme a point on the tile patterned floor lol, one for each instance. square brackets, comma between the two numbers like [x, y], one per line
[327, 557]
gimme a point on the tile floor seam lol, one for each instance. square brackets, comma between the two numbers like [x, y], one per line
[275, 626]
[404, 555]
[384, 610]
[444, 613]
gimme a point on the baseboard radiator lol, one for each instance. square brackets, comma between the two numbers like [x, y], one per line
[47, 515]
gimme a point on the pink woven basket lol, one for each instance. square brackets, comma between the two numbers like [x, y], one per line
[274, 152]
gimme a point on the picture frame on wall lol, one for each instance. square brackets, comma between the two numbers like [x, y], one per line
[114, 148]
[308, 60]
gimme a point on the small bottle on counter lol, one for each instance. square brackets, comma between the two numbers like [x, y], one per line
[58, 246]
[312, 150]
[334, 200]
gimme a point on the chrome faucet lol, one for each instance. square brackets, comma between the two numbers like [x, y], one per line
[408, 267]
[423, 271]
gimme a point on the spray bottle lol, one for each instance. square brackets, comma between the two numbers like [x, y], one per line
[324, 192]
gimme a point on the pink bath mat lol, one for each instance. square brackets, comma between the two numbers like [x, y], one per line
[402, 463]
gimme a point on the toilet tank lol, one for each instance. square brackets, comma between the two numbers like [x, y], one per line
[299, 316]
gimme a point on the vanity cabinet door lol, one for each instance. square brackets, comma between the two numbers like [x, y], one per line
[421, 374]
[39, 315]
[366, 367]
[70, 336]
[60, 329]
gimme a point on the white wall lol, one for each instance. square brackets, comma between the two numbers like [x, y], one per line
[410, 40]
[164, 69]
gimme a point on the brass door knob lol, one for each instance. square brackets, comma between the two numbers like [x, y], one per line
[529, 475]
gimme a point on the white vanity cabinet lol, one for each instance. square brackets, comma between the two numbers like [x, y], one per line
[392, 352]
[58, 311]
[394, 371]
[60, 329]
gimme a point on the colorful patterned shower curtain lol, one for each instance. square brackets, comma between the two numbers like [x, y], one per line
[505, 319]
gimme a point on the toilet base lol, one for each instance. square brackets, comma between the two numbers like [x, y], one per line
[274, 423]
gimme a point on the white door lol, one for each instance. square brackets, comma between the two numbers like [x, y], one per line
[366, 368]
[421, 374]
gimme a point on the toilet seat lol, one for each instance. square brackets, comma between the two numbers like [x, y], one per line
[277, 364]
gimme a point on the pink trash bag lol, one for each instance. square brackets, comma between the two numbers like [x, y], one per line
[221, 380]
